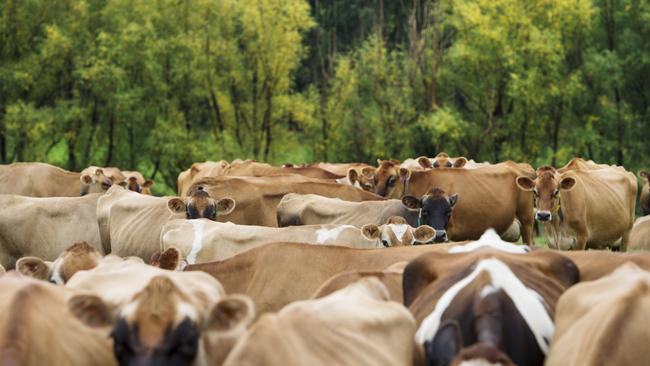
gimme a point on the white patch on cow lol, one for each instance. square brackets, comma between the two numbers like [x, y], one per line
[197, 244]
[527, 302]
[490, 239]
[399, 230]
[56, 275]
[324, 235]
[479, 362]
[184, 310]
[129, 309]
[488, 290]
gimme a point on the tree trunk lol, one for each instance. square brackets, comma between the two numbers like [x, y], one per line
[556, 132]
[111, 142]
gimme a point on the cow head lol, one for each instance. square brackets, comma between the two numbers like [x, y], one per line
[546, 190]
[442, 160]
[397, 232]
[96, 182]
[435, 210]
[200, 205]
[161, 325]
[77, 257]
[389, 178]
[363, 180]
[133, 185]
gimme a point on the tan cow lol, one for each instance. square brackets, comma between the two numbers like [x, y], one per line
[644, 196]
[359, 178]
[197, 171]
[258, 197]
[160, 316]
[487, 197]
[44, 180]
[640, 234]
[250, 272]
[604, 322]
[136, 182]
[391, 277]
[255, 169]
[311, 209]
[130, 223]
[340, 168]
[357, 325]
[79, 256]
[202, 241]
[44, 227]
[39, 326]
[584, 208]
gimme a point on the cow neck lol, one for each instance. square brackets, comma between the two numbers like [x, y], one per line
[557, 211]
[405, 186]
[419, 223]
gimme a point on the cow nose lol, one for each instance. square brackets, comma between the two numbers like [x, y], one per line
[543, 216]
[441, 236]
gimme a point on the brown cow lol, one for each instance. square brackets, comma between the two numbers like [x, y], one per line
[44, 180]
[640, 234]
[136, 182]
[340, 168]
[258, 197]
[39, 326]
[255, 169]
[197, 171]
[644, 197]
[77, 257]
[594, 264]
[357, 325]
[250, 272]
[160, 316]
[488, 196]
[500, 301]
[604, 322]
[584, 208]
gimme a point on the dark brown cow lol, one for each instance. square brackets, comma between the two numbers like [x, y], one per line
[499, 301]
[258, 197]
[488, 197]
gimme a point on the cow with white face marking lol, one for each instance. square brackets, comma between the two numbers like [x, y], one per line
[435, 209]
[486, 305]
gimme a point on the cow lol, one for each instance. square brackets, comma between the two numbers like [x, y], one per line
[136, 182]
[640, 234]
[41, 325]
[255, 169]
[44, 180]
[357, 325]
[488, 196]
[197, 171]
[391, 277]
[311, 209]
[583, 208]
[341, 168]
[250, 272]
[162, 317]
[470, 304]
[202, 241]
[44, 227]
[361, 179]
[594, 264]
[258, 197]
[604, 322]
[644, 197]
[130, 223]
[77, 257]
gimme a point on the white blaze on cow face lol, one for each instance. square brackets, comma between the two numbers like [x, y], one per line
[197, 244]
[490, 239]
[324, 235]
[527, 301]
[399, 230]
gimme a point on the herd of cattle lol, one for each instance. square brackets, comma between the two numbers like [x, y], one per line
[325, 264]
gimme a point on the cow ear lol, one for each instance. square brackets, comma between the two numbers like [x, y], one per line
[525, 183]
[230, 313]
[225, 206]
[370, 231]
[567, 183]
[353, 176]
[91, 310]
[424, 162]
[404, 174]
[169, 259]
[194, 169]
[147, 183]
[453, 199]
[643, 174]
[34, 267]
[369, 172]
[176, 205]
[412, 202]
[99, 172]
[424, 234]
[460, 162]
[445, 344]
[87, 179]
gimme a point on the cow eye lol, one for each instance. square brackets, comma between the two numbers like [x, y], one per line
[535, 192]
[391, 180]
[368, 185]
[556, 192]
[448, 213]
[384, 242]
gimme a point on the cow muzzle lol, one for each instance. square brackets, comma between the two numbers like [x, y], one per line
[441, 236]
[543, 216]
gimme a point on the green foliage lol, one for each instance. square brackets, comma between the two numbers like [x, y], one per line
[157, 85]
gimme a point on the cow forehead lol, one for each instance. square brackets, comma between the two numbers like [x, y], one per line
[400, 231]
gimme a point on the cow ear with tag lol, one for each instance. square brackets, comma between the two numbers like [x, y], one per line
[460, 162]
[34, 267]
[567, 183]
[525, 183]
[91, 310]
[233, 312]
[445, 344]
[176, 205]
[225, 206]
[370, 231]
[412, 202]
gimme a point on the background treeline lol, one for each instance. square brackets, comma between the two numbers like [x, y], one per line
[156, 85]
